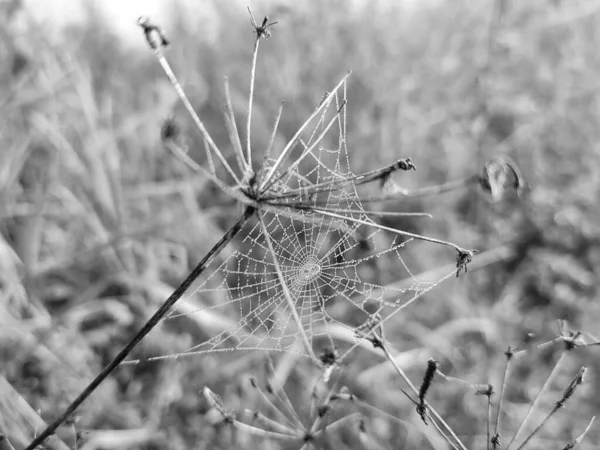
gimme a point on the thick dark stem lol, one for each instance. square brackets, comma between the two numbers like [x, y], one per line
[154, 320]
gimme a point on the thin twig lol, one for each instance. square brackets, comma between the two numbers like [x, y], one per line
[236, 142]
[5, 443]
[152, 322]
[569, 391]
[576, 441]
[335, 424]
[157, 50]
[281, 394]
[292, 421]
[274, 132]
[290, 144]
[423, 192]
[392, 230]
[234, 193]
[336, 185]
[367, 212]
[544, 388]
[209, 160]
[385, 347]
[264, 433]
[257, 416]
[307, 150]
[250, 100]
[495, 438]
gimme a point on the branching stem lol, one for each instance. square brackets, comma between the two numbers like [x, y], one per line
[190, 109]
[544, 388]
[392, 230]
[434, 413]
[290, 144]
[152, 322]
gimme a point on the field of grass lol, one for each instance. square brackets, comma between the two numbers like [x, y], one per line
[99, 222]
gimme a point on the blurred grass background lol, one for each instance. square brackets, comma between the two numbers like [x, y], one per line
[98, 222]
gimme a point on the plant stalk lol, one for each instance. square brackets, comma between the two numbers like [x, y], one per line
[152, 322]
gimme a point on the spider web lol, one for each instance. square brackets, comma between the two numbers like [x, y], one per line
[331, 267]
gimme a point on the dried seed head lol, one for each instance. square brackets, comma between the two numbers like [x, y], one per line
[570, 390]
[488, 391]
[432, 366]
[405, 164]
[263, 30]
[155, 36]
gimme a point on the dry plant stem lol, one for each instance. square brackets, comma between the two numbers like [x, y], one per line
[439, 430]
[335, 185]
[267, 422]
[568, 393]
[292, 421]
[509, 357]
[537, 429]
[233, 140]
[5, 443]
[274, 132]
[280, 393]
[250, 100]
[287, 294]
[392, 230]
[264, 433]
[335, 424]
[211, 164]
[152, 322]
[308, 150]
[366, 212]
[378, 213]
[539, 396]
[430, 409]
[375, 175]
[233, 193]
[581, 436]
[237, 144]
[190, 109]
[423, 192]
[489, 419]
[290, 144]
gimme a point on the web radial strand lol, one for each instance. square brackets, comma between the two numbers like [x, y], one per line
[337, 272]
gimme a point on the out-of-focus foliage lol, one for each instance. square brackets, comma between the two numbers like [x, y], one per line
[98, 222]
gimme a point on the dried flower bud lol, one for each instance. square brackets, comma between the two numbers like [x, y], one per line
[488, 390]
[155, 36]
[432, 366]
[570, 390]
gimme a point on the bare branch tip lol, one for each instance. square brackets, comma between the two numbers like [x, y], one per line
[262, 31]
[155, 36]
